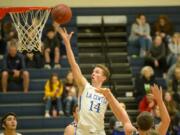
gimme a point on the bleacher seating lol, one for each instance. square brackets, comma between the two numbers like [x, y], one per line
[30, 107]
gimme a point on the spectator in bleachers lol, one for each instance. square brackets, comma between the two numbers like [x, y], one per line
[2, 42]
[9, 124]
[172, 108]
[174, 47]
[176, 84]
[143, 82]
[14, 67]
[51, 49]
[33, 57]
[53, 93]
[70, 93]
[171, 70]
[156, 57]
[140, 35]
[115, 125]
[147, 103]
[9, 31]
[156, 114]
[163, 27]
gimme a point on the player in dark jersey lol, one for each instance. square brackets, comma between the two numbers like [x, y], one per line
[144, 120]
[71, 128]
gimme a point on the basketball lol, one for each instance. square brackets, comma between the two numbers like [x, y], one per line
[61, 13]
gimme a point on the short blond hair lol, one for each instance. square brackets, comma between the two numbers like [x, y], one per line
[149, 68]
[106, 71]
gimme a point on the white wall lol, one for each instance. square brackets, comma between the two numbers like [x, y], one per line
[91, 3]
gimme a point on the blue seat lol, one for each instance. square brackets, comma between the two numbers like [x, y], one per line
[138, 62]
[132, 50]
[1, 63]
[162, 82]
[44, 73]
[135, 71]
[115, 132]
[37, 85]
[21, 97]
[41, 122]
[23, 109]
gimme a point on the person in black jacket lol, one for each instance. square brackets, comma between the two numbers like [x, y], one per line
[156, 57]
[143, 82]
[176, 84]
[51, 49]
[14, 67]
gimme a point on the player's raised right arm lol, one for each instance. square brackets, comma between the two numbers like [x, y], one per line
[79, 78]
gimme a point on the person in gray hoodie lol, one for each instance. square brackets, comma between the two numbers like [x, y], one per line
[140, 35]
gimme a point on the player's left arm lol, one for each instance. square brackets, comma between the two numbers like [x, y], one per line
[164, 115]
[118, 110]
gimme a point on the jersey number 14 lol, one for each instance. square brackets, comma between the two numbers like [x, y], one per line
[94, 107]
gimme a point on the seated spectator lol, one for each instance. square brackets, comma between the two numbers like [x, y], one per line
[33, 59]
[173, 111]
[143, 82]
[176, 84]
[163, 27]
[9, 31]
[171, 70]
[140, 35]
[174, 47]
[156, 57]
[156, 114]
[14, 67]
[53, 94]
[2, 42]
[33, 55]
[116, 126]
[147, 103]
[51, 49]
[71, 128]
[70, 93]
[176, 124]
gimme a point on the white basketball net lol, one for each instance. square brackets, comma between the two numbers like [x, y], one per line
[29, 26]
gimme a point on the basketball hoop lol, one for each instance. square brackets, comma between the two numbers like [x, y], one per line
[29, 23]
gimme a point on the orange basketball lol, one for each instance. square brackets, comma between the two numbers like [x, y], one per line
[61, 14]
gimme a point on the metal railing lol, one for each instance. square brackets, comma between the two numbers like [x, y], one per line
[105, 50]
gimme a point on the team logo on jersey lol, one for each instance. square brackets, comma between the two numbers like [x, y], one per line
[96, 97]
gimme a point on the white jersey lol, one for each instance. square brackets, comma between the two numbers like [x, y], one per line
[92, 108]
[16, 134]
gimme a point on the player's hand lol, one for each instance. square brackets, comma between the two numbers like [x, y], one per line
[157, 92]
[129, 129]
[103, 91]
[64, 34]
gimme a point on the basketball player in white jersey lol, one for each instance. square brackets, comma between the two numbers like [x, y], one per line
[92, 105]
[144, 119]
[9, 124]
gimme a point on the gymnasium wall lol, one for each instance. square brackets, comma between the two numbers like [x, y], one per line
[151, 8]
[151, 12]
[91, 3]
